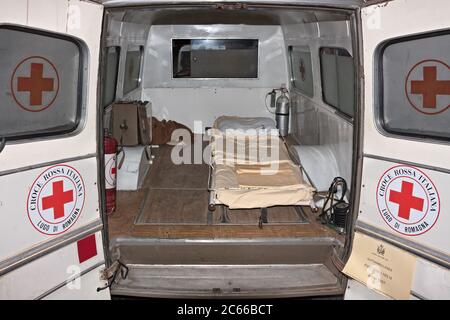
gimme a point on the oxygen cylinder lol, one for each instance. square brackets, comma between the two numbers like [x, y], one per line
[110, 150]
[282, 113]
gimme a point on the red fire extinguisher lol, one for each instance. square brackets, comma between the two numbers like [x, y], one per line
[110, 150]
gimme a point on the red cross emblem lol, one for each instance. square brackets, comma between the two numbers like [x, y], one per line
[58, 199]
[428, 86]
[405, 200]
[302, 70]
[35, 84]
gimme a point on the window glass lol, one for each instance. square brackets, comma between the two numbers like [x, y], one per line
[337, 70]
[215, 58]
[415, 74]
[301, 69]
[110, 75]
[132, 69]
[40, 83]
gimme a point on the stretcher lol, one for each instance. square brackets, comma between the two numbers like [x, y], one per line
[250, 167]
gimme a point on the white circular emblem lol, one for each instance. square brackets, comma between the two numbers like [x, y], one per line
[110, 171]
[407, 200]
[56, 200]
[427, 87]
[35, 84]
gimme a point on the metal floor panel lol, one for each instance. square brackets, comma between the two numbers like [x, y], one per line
[223, 251]
[227, 268]
[227, 281]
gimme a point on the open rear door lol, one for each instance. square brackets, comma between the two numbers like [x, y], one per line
[50, 222]
[401, 246]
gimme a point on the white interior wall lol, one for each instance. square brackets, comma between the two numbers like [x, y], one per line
[190, 100]
[313, 122]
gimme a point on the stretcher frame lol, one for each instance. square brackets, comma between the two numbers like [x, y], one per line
[213, 202]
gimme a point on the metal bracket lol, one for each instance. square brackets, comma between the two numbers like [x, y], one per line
[262, 218]
[110, 274]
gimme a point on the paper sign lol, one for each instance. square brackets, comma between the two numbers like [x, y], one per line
[381, 266]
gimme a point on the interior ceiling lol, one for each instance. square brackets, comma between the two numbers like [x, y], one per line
[251, 16]
[348, 3]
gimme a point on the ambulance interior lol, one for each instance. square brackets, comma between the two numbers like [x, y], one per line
[196, 68]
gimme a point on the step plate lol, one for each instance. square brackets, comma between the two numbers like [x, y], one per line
[227, 281]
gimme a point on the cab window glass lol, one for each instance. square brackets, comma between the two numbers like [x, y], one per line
[301, 70]
[199, 58]
[337, 70]
[415, 85]
[40, 83]
[110, 75]
[132, 69]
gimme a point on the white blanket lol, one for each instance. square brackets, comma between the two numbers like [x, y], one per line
[247, 126]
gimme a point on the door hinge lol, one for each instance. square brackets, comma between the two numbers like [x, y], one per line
[337, 261]
[110, 274]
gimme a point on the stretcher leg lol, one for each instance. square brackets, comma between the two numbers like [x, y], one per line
[224, 215]
[262, 217]
[313, 206]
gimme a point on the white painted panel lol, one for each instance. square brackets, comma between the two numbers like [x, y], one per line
[189, 100]
[46, 273]
[358, 291]
[418, 188]
[436, 237]
[81, 288]
[380, 23]
[84, 22]
[48, 14]
[158, 55]
[187, 105]
[14, 11]
[431, 281]
[17, 232]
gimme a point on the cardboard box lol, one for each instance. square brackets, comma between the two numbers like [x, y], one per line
[129, 124]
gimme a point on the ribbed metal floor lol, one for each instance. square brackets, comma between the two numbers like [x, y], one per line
[227, 268]
[226, 281]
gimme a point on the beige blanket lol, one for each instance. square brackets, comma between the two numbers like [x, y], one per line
[255, 178]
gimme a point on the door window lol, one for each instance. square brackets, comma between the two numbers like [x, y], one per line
[132, 69]
[301, 70]
[110, 75]
[40, 83]
[338, 79]
[415, 86]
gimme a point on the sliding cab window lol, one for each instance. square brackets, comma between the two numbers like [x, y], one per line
[338, 79]
[414, 86]
[132, 77]
[215, 58]
[301, 70]
[41, 83]
[110, 72]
